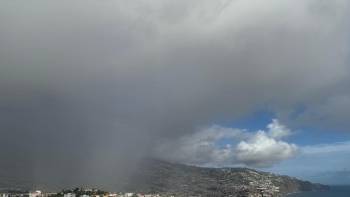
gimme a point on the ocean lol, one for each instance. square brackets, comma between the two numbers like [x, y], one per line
[336, 191]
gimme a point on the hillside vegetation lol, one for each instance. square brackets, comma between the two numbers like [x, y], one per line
[156, 176]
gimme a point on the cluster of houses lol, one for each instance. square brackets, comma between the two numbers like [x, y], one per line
[38, 193]
[114, 195]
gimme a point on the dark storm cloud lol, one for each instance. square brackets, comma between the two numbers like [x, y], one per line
[95, 83]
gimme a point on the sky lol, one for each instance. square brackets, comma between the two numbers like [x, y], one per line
[87, 88]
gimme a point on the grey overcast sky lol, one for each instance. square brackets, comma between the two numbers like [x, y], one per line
[87, 86]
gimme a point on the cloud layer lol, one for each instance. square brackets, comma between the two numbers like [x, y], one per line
[327, 148]
[96, 83]
[258, 149]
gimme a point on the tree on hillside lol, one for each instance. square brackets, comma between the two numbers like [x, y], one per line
[76, 190]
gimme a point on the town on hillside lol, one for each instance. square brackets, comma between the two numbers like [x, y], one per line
[77, 192]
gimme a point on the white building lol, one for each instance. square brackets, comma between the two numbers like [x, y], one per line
[36, 193]
[69, 195]
[128, 194]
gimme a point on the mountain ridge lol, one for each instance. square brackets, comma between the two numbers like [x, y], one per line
[157, 176]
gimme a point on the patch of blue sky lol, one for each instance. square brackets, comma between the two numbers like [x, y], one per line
[311, 166]
[305, 135]
[310, 135]
[224, 141]
[258, 120]
[313, 136]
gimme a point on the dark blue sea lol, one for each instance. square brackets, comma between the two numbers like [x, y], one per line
[336, 191]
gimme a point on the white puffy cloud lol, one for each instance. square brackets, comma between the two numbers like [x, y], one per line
[277, 130]
[259, 149]
[264, 149]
